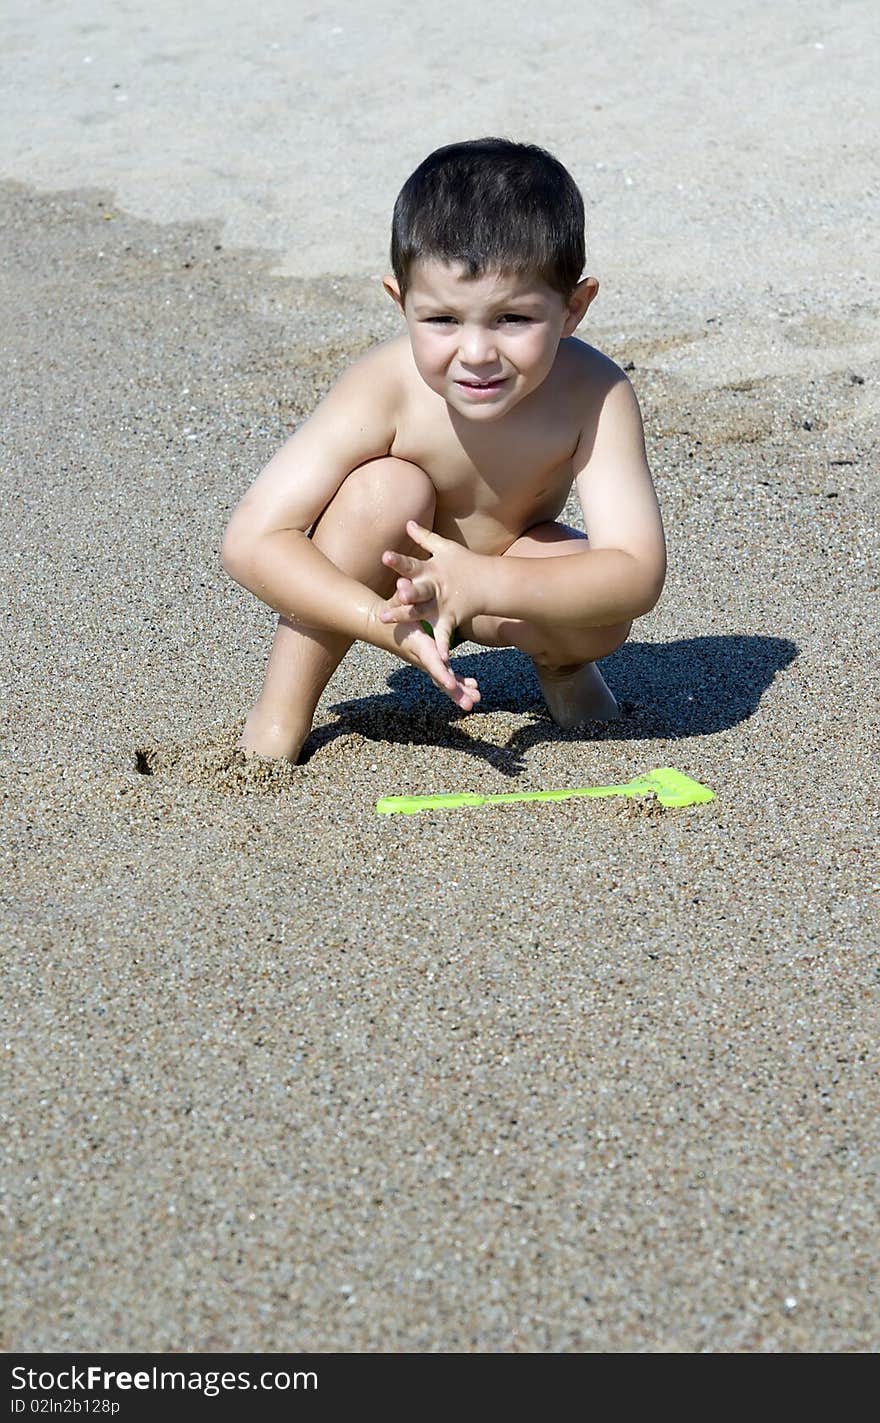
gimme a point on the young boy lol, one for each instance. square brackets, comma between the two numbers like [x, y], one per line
[416, 506]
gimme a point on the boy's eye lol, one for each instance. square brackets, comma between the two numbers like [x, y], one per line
[508, 316]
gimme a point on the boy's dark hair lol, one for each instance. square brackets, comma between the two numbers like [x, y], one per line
[491, 204]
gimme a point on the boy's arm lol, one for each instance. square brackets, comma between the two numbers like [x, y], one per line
[620, 576]
[266, 546]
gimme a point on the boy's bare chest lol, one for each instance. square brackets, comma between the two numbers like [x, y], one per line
[499, 484]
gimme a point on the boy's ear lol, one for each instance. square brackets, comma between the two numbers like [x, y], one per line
[580, 299]
[393, 290]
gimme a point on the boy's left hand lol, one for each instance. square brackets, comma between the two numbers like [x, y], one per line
[441, 590]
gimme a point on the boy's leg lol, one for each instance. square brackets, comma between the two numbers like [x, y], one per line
[565, 658]
[367, 515]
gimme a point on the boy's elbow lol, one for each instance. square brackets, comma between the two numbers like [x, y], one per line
[655, 588]
[652, 576]
[650, 601]
[236, 552]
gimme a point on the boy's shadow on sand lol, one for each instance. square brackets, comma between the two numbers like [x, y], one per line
[666, 691]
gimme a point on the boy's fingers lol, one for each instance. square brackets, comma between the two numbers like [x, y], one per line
[417, 590]
[463, 691]
[414, 592]
[400, 613]
[400, 562]
[466, 697]
[425, 538]
[441, 672]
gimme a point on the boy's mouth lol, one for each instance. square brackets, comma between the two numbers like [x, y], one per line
[481, 387]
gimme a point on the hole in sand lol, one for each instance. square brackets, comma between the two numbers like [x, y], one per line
[214, 761]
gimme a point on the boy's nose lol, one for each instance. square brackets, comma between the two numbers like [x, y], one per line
[477, 348]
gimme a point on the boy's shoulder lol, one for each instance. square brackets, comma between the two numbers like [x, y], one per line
[584, 368]
[385, 365]
[380, 379]
[590, 387]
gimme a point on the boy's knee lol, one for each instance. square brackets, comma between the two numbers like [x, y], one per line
[392, 487]
[583, 645]
[610, 638]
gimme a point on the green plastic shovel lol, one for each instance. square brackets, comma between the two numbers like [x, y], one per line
[670, 787]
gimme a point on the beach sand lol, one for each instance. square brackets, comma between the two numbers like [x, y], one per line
[287, 1075]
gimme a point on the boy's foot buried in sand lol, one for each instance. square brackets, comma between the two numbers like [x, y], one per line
[577, 694]
[265, 736]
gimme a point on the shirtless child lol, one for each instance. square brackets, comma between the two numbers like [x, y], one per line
[417, 505]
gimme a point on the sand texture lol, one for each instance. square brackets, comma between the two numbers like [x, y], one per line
[287, 1075]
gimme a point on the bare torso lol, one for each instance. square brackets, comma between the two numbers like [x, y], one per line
[495, 479]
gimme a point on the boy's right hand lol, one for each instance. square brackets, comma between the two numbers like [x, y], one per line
[414, 645]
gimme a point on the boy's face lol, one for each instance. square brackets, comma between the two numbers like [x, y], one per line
[485, 343]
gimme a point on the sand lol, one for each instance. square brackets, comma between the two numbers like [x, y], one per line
[287, 1075]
